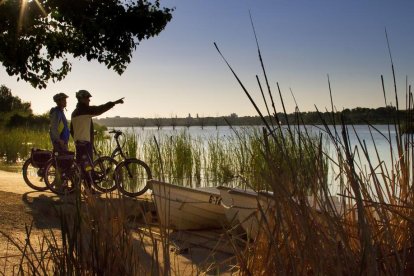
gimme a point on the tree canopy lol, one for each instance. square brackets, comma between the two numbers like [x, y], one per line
[37, 37]
[12, 106]
[9, 103]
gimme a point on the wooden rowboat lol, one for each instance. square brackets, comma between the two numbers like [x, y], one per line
[333, 205]
[249, 209]
[183, 208]
[245, 208]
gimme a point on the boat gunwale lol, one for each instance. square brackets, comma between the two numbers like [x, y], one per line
[160, 183]
[244, 193]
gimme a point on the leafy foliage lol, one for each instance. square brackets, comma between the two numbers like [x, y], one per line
[11, 105]
[8, 102]
[39, 122]
[37, 35]
[15, 113]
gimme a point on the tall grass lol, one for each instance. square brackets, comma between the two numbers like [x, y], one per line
[94, 238]
[372, 234]
[236, 160]
[15, 144]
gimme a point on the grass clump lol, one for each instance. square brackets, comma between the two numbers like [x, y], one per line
[365, 229]
[95, 237]
[16, 143]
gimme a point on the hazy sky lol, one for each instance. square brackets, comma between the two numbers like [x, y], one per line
[180, 72]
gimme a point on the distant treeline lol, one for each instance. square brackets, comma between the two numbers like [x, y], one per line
[15, 113]
[382, 115]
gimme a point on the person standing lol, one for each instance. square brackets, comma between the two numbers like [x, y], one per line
[81, 126]
[59, 130]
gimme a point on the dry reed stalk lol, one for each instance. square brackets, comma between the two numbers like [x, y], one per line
[374, 234]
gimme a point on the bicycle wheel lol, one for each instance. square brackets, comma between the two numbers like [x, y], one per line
[131, 177]
[62, 181]
[33, 176]
[103, 174]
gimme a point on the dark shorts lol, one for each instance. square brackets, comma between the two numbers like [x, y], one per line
[84, 157]
[84, 152]
[57, 147]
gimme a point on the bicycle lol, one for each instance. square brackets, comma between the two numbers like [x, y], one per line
[62, 174]
[100, 176]
[118, 149]
[103, 171]
[34, 167]
[131, 174]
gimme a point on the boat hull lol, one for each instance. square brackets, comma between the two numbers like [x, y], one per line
[183, 208]
[245, 208]
[249, 209]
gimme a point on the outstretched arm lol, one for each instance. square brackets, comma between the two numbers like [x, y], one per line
[99, 109]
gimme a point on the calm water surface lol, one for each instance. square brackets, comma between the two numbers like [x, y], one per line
[375, 139]
[357, 134]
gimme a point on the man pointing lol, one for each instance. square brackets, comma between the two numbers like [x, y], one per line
[81, 126]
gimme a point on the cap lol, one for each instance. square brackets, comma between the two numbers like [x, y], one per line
[59, 96]
[83, 94]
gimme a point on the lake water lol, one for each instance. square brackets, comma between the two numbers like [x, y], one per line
[357, 134]
[375, 139]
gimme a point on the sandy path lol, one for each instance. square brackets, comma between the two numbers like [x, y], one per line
[13, 182]
[20, 206]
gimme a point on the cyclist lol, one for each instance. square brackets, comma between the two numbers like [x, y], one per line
[59, 130]
[81, 126]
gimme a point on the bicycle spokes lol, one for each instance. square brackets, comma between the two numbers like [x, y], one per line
[132, 177]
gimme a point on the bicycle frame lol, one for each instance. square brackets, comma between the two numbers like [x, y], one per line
[118, 150]
[125, 163]
[66, 171]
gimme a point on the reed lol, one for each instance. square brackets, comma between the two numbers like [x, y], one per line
[369, 234]
[94, 238]
[236, 160]
[105, 143]
[219, 169]
[173, 158]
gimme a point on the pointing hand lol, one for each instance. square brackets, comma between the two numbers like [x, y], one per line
[120, 101]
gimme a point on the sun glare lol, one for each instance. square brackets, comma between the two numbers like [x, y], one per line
[22, 12]
[21, 15]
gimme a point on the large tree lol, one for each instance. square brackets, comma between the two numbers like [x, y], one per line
[38, 36]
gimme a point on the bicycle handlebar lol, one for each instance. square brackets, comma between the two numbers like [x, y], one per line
[117, 132]
[118, 148]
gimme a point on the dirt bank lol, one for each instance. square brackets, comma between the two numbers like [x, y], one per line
[21, 209]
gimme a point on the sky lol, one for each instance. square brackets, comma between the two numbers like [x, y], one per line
[180, 71]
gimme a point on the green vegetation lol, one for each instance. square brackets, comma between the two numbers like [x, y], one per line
[237, 160]
[14, 113]
[15, 144]
[20, 130]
